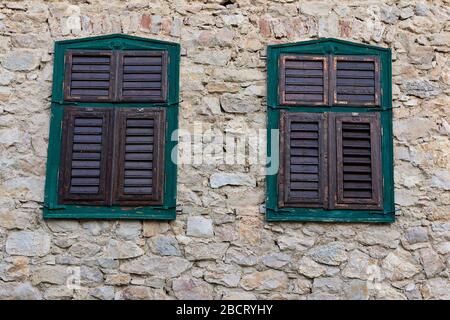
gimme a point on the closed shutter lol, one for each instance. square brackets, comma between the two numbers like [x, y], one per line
[303, 170]
[356, 81]
[142, 76]
[89, 76]
[355, 161]
[303, 80]
[83, 170]
[139, 157]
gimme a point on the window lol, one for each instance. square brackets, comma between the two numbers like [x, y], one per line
[114, 108]
[331, 102]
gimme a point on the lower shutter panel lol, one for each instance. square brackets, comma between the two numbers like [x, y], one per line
[303, 173]
[83, 177]
[356, 181]
[140, 165]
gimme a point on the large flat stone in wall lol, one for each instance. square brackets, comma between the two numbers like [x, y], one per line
[28, 243]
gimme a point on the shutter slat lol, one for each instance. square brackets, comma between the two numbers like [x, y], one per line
[299, 73]
[303, 80]
[138, 182]
[355, 66]
[356, 80]
[85, 173]
[88, 130]
[86, 155]
[90, 60]
[92, 138]
[90, 84]
[94, 68]
[143, 61]
[143, 76]
[307, 98]
[138, 174]
[139, 156]
[355, 74]
[141, 85]
[90, 77]
[303, 89]
[304, 152]
[138, 190]
[141, 69]
[85, 164]
[350, 90]
[138, 123]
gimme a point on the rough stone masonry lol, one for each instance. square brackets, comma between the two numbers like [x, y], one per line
[220, 246]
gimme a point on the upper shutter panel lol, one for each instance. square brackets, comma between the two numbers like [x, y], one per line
[140, 164]
[89, 76]
[356, 180]
[143, 76]
[356, 80]
[303, 80]
[303, 173]
[83, 171]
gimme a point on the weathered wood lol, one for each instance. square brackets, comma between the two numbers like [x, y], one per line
[355, 161]
[303, 80]
[302, 179]
[84, 164]
[139, 158]
[142, 76]
[356, 80]
[89, 76]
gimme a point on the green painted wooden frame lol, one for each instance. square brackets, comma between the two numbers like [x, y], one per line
[327, 46]
[166, 211]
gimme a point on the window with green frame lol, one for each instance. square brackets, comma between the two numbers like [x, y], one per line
[330, 102]
[114, 108]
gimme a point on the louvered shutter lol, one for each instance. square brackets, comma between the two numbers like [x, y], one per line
[83, 171]
[139, 157]
[355, 161]
[303, 169]
[356, 81]
[89, 76]
[303, 80]
[142, 76]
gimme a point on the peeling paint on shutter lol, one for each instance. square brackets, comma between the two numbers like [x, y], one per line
[139, 156]
[303, 80]
[89, 76]
[83, 170]
[356, 80]
[303, 150]
[143, 76]
[355, 161]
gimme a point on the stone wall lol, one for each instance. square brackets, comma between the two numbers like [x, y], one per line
[220, 245]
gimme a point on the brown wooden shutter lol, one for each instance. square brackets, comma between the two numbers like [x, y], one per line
[83, 172]
[303, 169]
[303, 80]
[355, 161]
[139, 157]
[356, 80]
[142, 76]
[89, 76]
